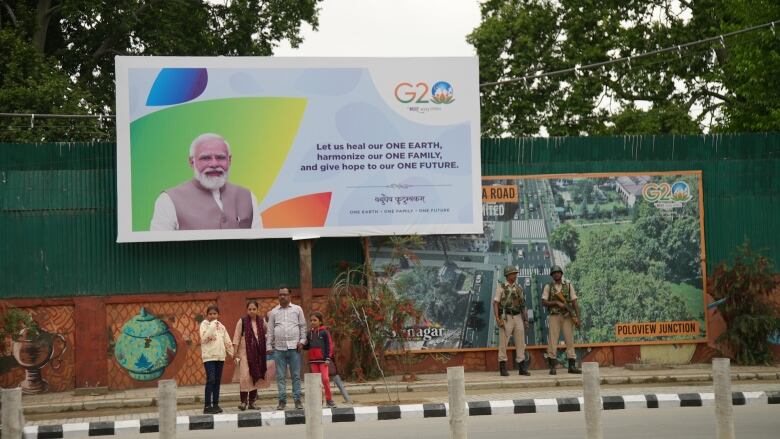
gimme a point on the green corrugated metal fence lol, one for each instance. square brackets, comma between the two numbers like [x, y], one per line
[58, 213]
[58, 222]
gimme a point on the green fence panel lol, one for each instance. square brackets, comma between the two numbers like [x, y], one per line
[58, 213]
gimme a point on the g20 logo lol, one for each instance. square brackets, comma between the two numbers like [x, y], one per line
[678, 192]
[420, 93]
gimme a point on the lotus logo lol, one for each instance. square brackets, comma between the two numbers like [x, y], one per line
[681, 191]
[442, 93]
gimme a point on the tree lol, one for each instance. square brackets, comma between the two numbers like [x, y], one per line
[32, 83]
[69, 46]
[584, 213]
[583, 190]
[615, 296]
[559, 201]
[682, 254]
[566, 238]
[731, 87]
[744, 290]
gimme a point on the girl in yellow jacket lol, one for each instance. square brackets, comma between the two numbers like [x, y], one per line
[214, 345]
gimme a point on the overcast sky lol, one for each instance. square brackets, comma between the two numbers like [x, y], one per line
[390, 28]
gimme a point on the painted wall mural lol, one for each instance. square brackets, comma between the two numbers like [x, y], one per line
[42, 362]
[145, 347]
[169, 329]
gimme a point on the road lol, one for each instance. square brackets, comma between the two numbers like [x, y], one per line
[751, 422]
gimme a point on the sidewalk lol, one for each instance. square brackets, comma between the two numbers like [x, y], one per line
[476, 382]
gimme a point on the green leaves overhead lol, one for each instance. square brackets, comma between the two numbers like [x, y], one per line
[62, 52]
[727, 88]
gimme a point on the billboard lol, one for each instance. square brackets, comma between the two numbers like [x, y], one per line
[630, 243]
[263, 147]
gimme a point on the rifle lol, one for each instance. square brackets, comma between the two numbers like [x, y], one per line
[575, 318]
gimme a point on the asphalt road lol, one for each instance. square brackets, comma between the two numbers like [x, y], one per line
[751, 422]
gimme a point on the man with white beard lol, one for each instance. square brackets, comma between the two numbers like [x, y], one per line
[207, 201]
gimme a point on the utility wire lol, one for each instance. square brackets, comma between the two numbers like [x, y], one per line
[678, 48]
[720, 38]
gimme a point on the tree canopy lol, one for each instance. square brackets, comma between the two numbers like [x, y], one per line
[59, 55]
[631, 274]
[728, 87]
[567, 239]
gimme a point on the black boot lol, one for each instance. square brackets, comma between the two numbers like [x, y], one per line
[551, 363]
[522, 368]
[573, 367]
[502, 369]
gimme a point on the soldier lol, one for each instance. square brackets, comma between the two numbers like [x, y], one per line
[509, 309]
[562, 315]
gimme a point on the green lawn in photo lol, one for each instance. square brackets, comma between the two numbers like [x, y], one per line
[587, 231]
[693, 298]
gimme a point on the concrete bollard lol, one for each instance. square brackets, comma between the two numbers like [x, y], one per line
[724, 412]
[166, 404]
[456, 387]
[13, 417]
[313, 413]
[591, 389]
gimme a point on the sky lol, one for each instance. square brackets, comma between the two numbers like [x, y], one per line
[390, 28]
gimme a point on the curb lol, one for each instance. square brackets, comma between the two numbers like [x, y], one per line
[362, 389]
[390, 412]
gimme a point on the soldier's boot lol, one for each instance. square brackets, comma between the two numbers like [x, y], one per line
[551, 363]
[573, 367]
[502, 369]
[522, 368]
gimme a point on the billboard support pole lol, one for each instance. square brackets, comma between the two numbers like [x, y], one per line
[367, 261]
[304, 255]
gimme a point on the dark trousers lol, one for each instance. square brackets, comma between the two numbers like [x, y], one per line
[213, 379]
[248, 397]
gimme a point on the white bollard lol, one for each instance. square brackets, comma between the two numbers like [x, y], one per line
[591, 388]
[313, 412]
[166, 404]
[724, 412]
[456, 387]
[13, 417]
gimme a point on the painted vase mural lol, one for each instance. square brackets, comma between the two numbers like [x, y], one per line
[145, 347]
[33, 350]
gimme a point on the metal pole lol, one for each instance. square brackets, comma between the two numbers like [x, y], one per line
[166, 404]
[592, 397]
[313, 413]
[724, 412]
[13, 417]
[456, 387]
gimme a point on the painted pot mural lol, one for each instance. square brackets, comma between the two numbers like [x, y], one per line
[145, 347]
[33, 350]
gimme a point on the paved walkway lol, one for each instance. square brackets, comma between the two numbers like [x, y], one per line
[480, 385]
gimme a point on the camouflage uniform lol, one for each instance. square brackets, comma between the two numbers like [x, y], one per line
[560, 320]
[511, 306]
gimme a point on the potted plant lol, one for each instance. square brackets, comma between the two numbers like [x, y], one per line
[742, 292]
[367, 315]
[13, 321]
